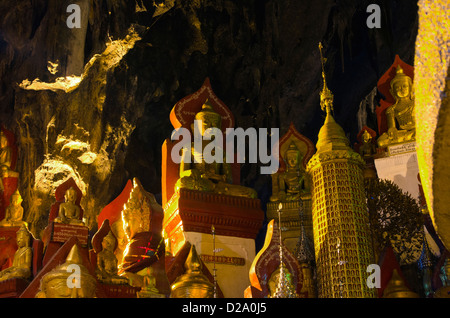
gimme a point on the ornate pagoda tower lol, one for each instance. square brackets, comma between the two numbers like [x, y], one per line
[340, 222]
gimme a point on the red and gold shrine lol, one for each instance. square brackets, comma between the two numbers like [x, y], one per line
[198, 195]
[65, 220]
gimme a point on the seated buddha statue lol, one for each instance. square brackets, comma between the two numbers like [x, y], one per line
[150, 281]
[55, 284]
[148, 289]
[367, 149]
[401, 112]
[21, 267]
[197, 173]
[69, 212]
[107, 262]
[14, 211]
[290, 184]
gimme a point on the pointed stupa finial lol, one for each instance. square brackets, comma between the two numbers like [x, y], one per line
[74, 256]
[326, 96]
[285, 288]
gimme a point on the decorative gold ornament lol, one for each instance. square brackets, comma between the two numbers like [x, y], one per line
[140, 216]
[136, 213]
[326, 96]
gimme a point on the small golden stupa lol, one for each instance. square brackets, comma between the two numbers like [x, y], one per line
[193, 284]
[396, 288]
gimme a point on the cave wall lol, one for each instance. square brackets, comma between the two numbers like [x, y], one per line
[140, 59]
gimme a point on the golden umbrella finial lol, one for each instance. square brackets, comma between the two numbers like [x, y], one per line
[326, 96]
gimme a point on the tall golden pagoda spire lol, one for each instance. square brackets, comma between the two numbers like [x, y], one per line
[331, 135]
[326, 96]
[340, 222]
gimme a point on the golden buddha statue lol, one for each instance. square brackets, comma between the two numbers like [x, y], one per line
[149, 289]
[5, 152]
[200, 175]
[14, 211]
[402, 112]
[107, 262]
[367, 149]
[5, 160]
[69, 211]
[21, 267]
[55, 284]
[396, 288]
[150, 281]
[192, 284]
[290, 184]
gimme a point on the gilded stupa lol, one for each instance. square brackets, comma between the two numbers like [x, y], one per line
[396, 288]
[192, 284]
[340, 221]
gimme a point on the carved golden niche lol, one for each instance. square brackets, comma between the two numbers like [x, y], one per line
[142, 223]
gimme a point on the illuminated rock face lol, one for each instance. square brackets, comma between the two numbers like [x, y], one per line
[109, 126]
[432, 87]
[75, 132]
